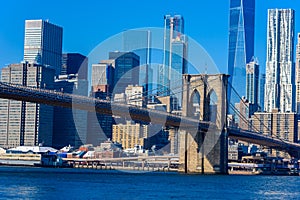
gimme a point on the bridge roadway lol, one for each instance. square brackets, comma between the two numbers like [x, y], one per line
[53, 98]
[257, 138]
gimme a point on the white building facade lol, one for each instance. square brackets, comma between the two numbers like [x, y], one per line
[280, 69]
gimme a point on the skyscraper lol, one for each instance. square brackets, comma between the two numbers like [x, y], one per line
[298, 75]
[252, 78]
[103, 76]
[138, 42]
[75, 63]
[241, 45]
[99, 127]
[174, 57]
[43, 44]
[24, 123]
[262, 82]
[70, 125]
[125, 71]
[280, 69]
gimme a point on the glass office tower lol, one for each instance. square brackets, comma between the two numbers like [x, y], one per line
[75, 63]
[124, 73]
[43, 44]
[174, 57]
[241, 45]
[138, 42]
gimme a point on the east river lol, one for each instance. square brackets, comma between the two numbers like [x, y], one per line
[50, 183]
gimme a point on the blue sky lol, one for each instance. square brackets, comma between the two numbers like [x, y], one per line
[88, 23]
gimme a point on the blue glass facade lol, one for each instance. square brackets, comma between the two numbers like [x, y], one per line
[138, 42]
[262, 82]
[178, 68]
[174, 64]
[241, 45]
[124, 74]
[75, 63]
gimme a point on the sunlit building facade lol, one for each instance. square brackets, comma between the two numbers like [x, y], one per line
[25, 123]
[43, 44]
[130, 134]
[276, 124]
[280, 69]
[252, 81]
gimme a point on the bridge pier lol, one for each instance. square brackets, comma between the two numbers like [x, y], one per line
[204, 151]
[173, 138]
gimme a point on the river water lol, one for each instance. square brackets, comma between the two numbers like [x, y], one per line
[49, 183]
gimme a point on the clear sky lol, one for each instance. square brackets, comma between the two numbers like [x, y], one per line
[87, 23]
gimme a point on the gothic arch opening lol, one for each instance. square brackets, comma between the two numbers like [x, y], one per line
[213, 106]
[195, 104]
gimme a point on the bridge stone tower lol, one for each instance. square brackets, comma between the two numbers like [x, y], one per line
[204, 98]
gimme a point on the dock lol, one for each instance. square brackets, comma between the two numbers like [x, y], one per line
[141, 163]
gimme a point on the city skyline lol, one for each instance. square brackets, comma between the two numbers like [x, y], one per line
[83, 40]
[169, 87]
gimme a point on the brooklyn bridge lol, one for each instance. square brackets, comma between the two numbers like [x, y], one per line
[203, 143]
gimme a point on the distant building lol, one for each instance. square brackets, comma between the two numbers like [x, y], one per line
[139, 42]
[233, 152]
[99, 127]
[252, 80]
[125, 74]
[135, 95]
[245, 110]
[276, 124]
[130, 134]
[280, 69]
[24, 123]
[298, 75]
[174, 58]
[120, 98]
[70, 125]
[75, 63]
[170, 102]
[159, 136]
[103, 76]
[241, 45]
[43, 44]
[262, 82]
[160, 107]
